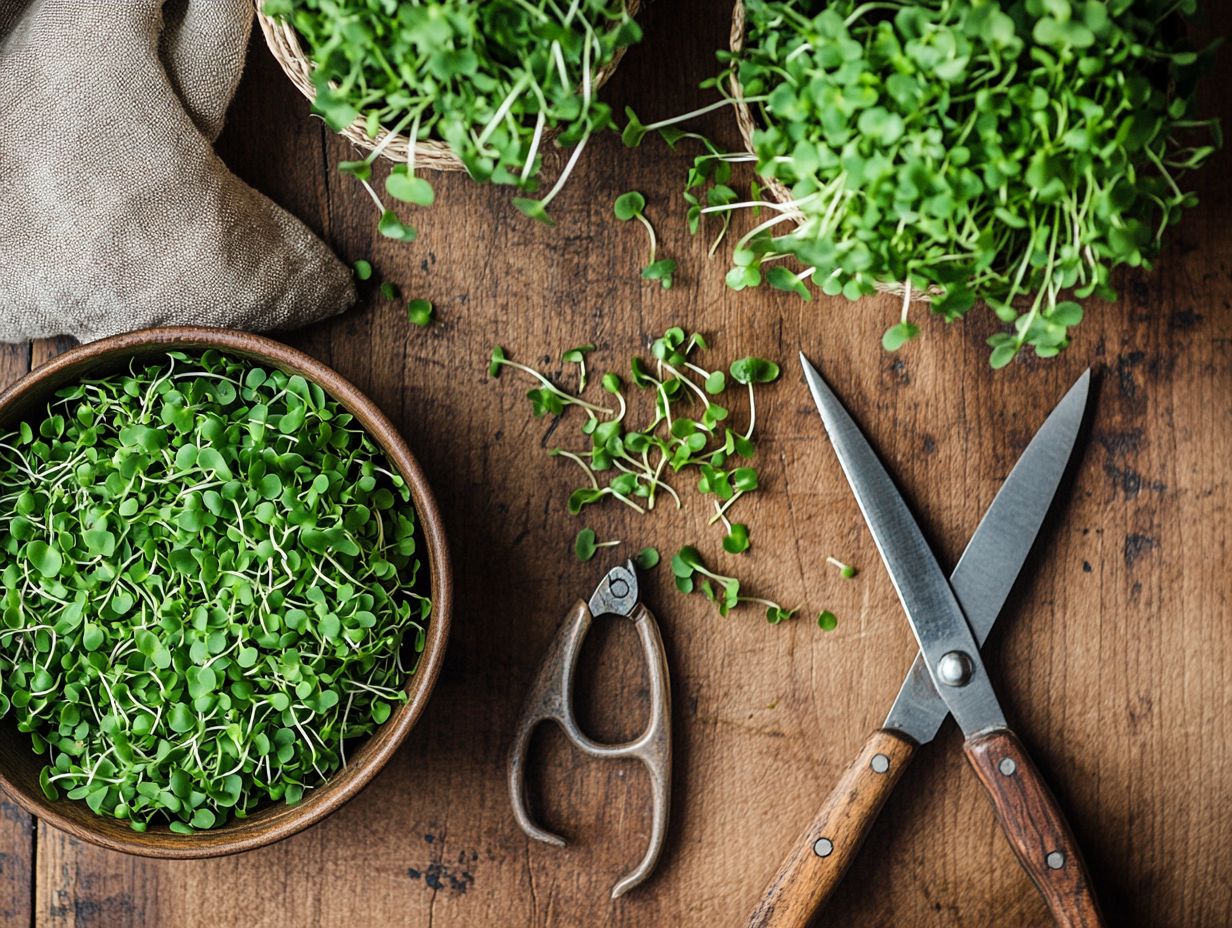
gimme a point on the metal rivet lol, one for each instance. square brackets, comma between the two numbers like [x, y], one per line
[880, 763]
[954, 668]
[1055, 860]
[1007, 766]
[823, 847]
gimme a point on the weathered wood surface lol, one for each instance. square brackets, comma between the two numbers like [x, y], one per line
[1113, 657]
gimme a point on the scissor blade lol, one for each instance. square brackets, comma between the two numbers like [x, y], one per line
[995, 554]
[936, 619]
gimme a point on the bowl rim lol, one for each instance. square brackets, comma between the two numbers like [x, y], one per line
[277, 821]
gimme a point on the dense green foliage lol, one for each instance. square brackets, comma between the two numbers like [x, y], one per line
[209, 573]
[494, 79]
[1009, 153]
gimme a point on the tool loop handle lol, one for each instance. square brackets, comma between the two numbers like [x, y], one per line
[1035, 827]
[551, 698]
[823, 853]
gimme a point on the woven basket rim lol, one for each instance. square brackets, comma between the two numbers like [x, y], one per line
[433, 154]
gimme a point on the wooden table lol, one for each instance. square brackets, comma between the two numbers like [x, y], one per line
[1113, 657]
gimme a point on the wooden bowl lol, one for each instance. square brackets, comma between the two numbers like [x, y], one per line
[19, 765]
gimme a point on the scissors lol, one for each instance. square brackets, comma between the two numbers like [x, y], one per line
[551, 697]
[950, 619]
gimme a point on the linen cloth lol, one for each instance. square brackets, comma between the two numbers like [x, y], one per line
[115, 212]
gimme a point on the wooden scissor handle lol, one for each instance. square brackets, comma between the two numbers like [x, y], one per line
[821, 855]
[1035, 827]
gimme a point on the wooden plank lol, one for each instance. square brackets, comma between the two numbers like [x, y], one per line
[17, 848]
[1112, 658]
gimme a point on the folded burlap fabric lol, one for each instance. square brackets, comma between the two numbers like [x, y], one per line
[115, 213]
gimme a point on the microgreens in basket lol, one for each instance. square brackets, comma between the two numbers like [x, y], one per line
[210, 572]
[496, 80]
[1011, 154]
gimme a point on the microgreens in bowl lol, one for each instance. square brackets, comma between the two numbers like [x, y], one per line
[974, 151]
[211, 589]
[493, 79]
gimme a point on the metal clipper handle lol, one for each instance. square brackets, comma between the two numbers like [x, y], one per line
[551, 697]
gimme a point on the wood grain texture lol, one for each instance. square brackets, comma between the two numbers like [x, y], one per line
[820, 857]
[1113, 657]
[1035, 827]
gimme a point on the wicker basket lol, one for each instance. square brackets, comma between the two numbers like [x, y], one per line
[283, 42]
[748, 124]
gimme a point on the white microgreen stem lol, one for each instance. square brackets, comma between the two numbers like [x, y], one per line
[608, 544]
[548, 385]
[534, 146]
[390, 136]
[514, 92]
[722, 510]
[375, 199]
[640, 217]
[624, 499]
[752, 413]
[719, 512]
[564, 175]
[906, 299]
[717, 105]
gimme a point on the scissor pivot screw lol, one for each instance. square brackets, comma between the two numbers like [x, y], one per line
[1007, 766]
[823, 847]
[880, 763]
[1055, 860]
[954, 668]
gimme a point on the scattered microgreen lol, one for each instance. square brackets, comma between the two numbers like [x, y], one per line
[389, 290]
[1005, 154]
[363, 269]
[578, 356]
[585, 545]
[827, 621]
[846, 570]
[647, 558]
[632, 205]
[210, 571]
[420, 312]
[495, 80]
[692, 574]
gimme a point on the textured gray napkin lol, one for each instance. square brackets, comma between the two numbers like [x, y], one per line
[115, 213]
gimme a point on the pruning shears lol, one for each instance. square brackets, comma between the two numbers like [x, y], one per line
[551, 698]
[950, 619]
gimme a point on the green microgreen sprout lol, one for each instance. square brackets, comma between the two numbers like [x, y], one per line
[547, 398]
[647, 558]
[389, 290]
[210, 571]
[846, 570]
[750, 371]
[363, 269]
[692, 574]
[585, 545]
[968, 152]
[420, 312]
[827, 621]
[495, 80]
[632, 205]
[578, 356]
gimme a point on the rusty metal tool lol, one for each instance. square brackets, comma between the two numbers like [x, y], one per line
[551, 698]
